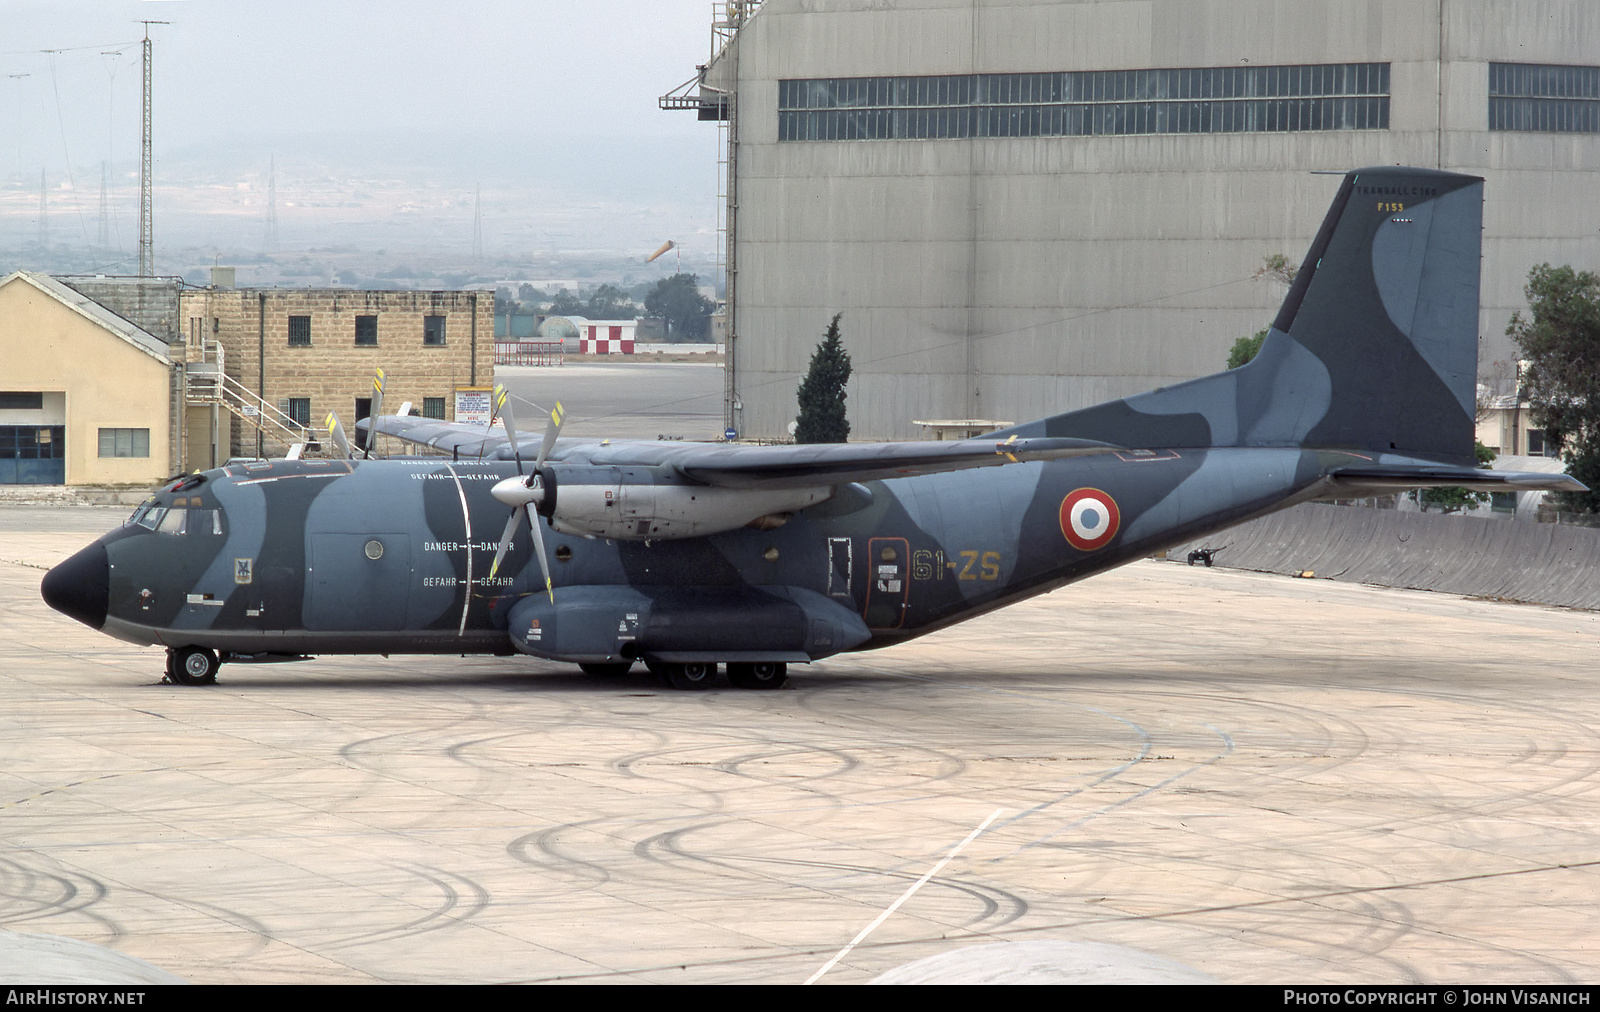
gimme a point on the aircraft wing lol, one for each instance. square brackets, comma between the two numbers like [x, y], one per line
[752, 467]
[756, 467]
[464, 441]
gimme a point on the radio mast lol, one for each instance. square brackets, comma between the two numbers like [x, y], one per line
[146, 230]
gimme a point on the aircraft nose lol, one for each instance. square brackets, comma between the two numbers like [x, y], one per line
[81, 586]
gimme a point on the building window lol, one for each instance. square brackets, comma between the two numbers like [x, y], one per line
[1539, 446]
[21, 400]
[1503, 502]
[1548, 99]
[433, 330]
[366, 330]
[1344, 96]
[33, 442]
[299, 409]
[433, 407]
[124, 442]
[299, 330]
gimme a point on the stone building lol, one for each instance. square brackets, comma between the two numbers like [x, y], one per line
[293, 355]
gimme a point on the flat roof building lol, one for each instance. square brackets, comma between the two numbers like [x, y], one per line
[296, 354]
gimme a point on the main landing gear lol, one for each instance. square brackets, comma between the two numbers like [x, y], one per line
[694, 675]
[758, 675]
[192, 666]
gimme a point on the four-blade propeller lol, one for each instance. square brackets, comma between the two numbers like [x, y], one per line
[519, 493]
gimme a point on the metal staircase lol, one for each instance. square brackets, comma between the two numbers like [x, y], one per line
[207, 383]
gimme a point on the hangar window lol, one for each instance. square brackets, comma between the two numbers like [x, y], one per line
[366, 330]
[21, 400]
[299, 409]
[433, 407]
[1544, 98]
[124, 442]
[433, 330]
[1345, 96]
[299, 330]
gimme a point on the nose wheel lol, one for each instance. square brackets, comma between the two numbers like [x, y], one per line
[192, 666]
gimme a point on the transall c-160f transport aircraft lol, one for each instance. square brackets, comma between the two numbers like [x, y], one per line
[691, 556]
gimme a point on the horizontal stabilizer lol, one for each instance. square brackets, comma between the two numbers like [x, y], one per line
[1397, 478]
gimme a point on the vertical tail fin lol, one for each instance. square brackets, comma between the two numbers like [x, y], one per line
[1375, 347]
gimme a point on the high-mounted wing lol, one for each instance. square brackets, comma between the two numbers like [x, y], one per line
[751, 467]
[810, 465]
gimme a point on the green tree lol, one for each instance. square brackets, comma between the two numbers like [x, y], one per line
[566, 303]
[1560, 338]
[1274, 267]
[678, 300]
[822, 416]
[608, 302]
[1245, 348]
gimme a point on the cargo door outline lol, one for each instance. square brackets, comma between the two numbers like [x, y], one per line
[888, 582]
[349, 589]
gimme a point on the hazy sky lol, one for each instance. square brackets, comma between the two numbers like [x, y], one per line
[534, 100]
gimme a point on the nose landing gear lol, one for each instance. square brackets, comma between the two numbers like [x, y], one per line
[192, 666]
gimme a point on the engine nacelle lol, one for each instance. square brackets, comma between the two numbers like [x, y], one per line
[649, 504]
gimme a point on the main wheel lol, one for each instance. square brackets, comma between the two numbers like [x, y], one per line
[192, 666]
[693, 675]
[760, 675]
[616, 670]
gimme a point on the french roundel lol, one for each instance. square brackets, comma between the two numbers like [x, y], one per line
[1089, 519]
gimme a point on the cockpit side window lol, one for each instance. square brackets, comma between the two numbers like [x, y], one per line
[176, 520]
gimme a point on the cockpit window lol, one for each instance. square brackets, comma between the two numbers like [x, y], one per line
[176, 520]
[205, 522]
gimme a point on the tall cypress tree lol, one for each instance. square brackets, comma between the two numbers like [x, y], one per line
[822, 395]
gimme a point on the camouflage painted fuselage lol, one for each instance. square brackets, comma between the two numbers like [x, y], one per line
[1364, 384]
[393, 556]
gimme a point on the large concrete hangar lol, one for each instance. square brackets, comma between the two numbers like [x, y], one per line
[1025, 206]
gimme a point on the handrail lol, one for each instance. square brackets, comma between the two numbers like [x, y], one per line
[213, 385]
